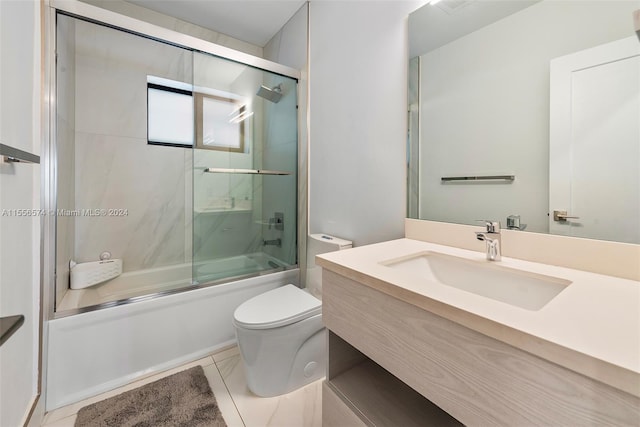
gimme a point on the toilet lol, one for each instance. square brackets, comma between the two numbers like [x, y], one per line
[280, 333]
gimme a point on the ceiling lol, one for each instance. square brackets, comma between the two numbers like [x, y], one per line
[252, 21]
[433, 26]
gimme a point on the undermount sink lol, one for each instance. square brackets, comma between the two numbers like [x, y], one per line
[523, 289]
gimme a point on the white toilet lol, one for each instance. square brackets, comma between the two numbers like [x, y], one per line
[280, 334]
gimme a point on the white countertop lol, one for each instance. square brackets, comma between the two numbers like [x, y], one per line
[591, 327]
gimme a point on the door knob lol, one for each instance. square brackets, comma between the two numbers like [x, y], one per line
[562, 216]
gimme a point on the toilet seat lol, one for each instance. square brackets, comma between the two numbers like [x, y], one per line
[278, 307]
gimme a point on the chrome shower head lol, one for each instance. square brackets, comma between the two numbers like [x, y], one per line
[274, 94]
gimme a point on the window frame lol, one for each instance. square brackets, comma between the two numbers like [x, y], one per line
[199, 98]
[173, 90]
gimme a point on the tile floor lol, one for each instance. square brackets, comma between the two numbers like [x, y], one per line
[239, 407]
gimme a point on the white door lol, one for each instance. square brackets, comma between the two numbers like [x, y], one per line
[19, 227]
[594, 166]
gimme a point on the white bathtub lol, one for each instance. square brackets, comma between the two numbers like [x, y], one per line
[93, 352]
[160, 279]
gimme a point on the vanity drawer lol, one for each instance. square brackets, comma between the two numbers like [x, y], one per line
[475, 378]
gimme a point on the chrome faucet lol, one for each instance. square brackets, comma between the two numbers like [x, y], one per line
[491, 236]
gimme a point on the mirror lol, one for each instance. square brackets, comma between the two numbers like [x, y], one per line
[518, 109]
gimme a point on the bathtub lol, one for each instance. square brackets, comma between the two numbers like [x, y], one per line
[96, 351]
[160, 279]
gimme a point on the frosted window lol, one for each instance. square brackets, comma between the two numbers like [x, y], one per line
[170, 116]
[218, 130]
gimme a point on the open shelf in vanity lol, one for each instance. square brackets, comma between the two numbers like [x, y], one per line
[372, 394]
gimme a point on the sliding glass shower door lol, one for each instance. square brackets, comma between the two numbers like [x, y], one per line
[123, 196]
[174, 167]
[244, 170]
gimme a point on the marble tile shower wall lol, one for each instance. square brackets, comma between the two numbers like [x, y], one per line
[66, 155]
[115, 168]
[171, 215]
[228, 232]
[281, 140]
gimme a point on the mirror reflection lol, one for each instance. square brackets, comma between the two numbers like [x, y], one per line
[527, 113]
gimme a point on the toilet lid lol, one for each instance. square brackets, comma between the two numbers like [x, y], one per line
[278, 307]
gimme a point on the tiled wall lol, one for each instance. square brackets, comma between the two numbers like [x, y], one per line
[65, 145]
[232, 231]
[111, 165]
[105, 162]
[115, 168]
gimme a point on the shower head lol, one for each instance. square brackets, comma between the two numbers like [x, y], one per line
[274, 94]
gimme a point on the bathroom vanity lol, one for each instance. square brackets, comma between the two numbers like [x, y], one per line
[410, 345]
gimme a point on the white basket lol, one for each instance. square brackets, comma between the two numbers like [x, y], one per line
[91, 273]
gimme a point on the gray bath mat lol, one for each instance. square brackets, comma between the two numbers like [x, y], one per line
[183, 399]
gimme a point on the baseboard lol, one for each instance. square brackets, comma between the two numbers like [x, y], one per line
[34, 417]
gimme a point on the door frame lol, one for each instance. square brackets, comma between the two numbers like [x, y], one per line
[560, 123]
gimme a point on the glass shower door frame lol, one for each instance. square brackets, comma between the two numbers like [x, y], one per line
[49, 194]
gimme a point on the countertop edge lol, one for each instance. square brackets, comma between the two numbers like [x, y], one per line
[591, 367]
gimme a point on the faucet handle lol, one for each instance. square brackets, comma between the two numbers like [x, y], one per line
[492, 226]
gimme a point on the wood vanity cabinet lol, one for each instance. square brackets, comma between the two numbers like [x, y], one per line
[392, 363]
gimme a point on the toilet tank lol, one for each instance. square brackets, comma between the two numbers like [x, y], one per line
[319, 244]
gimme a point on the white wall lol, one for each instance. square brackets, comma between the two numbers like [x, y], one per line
[485, 108]
[19, 184]
[358, 94]
[289, 45]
